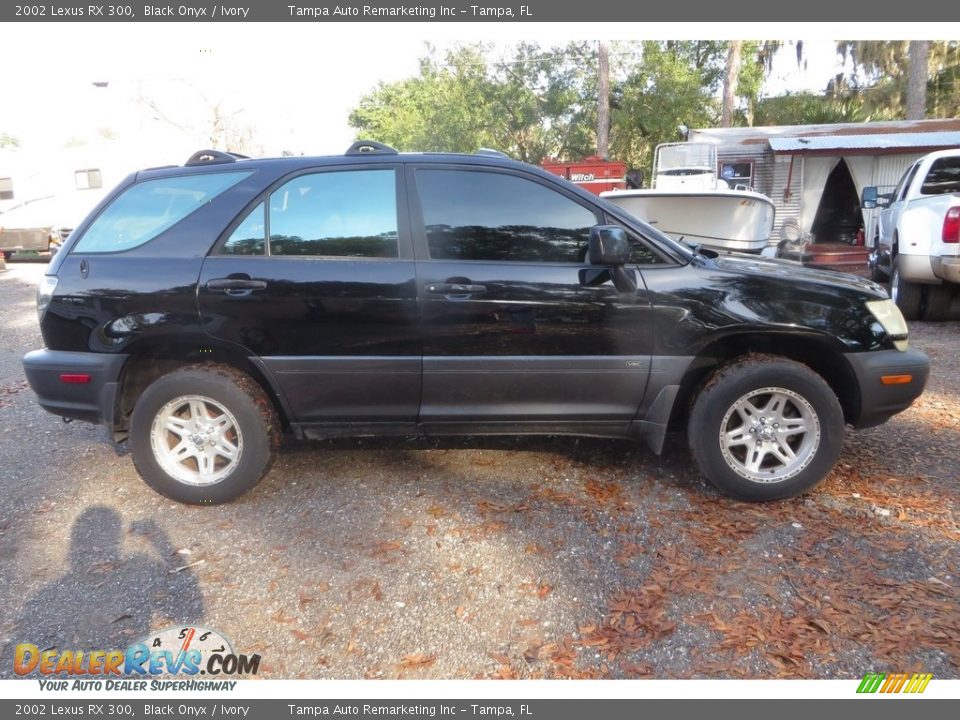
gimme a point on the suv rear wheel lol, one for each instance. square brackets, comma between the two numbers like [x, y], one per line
[765, 428]
[204, 434]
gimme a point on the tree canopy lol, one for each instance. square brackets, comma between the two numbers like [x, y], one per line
[531, 104]
[535, 103]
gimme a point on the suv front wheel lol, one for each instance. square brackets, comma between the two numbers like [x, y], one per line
[204, 434]
[765, 428]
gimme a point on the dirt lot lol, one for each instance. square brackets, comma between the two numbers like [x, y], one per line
[505, 558]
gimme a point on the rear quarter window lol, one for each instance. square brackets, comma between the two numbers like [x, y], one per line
[148, 208]
[943, 177]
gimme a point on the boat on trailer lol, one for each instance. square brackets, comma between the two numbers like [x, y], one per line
[689, 202]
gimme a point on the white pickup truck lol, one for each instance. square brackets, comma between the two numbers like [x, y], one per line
[917, 242]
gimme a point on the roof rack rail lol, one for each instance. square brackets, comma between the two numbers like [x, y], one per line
[213, 157]
[492, 153]
[363, 147]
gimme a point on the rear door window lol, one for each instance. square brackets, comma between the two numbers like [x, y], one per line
[351, 213]
[146, 209]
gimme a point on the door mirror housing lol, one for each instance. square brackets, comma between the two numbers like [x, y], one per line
[608, 246]
[872, 198]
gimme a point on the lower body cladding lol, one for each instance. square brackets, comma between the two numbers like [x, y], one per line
[75, 385]
[889, 382]
[601, 396]
[622, 396]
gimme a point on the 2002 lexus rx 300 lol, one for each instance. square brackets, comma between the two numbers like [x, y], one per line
[200, 311]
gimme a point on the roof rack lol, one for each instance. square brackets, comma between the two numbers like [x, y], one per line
[364, 147]
[213, 157]
[492, 153]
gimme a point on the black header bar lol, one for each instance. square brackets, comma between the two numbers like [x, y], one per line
[122, 708]
[323, 11]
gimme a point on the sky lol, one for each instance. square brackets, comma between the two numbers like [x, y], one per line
[294, 82]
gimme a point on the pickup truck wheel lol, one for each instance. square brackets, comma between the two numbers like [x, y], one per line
[765, 428]
[204, 434]
[939, 299]
[907, 295]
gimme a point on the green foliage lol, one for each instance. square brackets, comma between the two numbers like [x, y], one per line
[535, 103]
[812, 109]
[879, 76]
[674, 83]
[531, 105]
[8, 141]
[943, 90]
[753, 71]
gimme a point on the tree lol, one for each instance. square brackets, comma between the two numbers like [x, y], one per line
[673, 83]
[224, 126]
[603, 99]
[811, 109]
[896, 79]
[917, 79]
[730, 78]
[531, 104]
[943, 90]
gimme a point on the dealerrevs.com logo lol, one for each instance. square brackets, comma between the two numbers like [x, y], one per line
[176, 652]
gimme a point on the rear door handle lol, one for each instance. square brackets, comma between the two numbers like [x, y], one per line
[238, 287]
[455, 288]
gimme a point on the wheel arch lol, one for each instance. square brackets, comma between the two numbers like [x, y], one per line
[151, 359]
[821, 354]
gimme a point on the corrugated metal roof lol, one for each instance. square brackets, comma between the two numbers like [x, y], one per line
[760, 134]
[820, 143]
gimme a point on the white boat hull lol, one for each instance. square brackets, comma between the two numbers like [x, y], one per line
[725, 219]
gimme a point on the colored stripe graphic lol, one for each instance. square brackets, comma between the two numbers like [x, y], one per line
[894, 683]
[919, 682]
[870, 683]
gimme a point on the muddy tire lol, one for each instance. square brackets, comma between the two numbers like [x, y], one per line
[204, 434]
[765, 428]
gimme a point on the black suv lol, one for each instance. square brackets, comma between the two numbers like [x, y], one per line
[202, 310]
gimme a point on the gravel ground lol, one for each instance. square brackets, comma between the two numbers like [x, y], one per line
[550, 557]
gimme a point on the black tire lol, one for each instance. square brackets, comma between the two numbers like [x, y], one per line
[939, 300]
[229, 398]
[908, 295]
[713, 416]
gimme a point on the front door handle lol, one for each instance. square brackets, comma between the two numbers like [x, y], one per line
[455, 289]
[236, 286]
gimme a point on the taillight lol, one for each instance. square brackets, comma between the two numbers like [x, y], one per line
[951, 225]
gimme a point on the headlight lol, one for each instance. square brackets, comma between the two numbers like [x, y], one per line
[891, 319]
[45, 294]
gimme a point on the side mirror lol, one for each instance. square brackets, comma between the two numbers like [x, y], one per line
[872, 198]
[608, 246]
